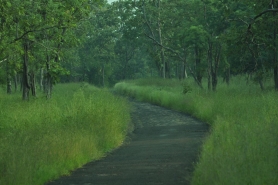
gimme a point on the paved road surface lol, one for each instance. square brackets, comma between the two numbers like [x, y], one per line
[162, 150]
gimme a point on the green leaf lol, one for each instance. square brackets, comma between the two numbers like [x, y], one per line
[9, 4]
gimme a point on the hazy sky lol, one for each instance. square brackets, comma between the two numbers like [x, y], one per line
[109, 1]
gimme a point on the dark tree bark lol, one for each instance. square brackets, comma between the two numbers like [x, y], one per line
[184, 72]
[275, 62]
[213, 64]
[25, 79]
[198, 67]
[41, 79]
[48, 80]
[15, 82]
[261, 84]
[33, 84]
[209, 58]
[274, 10]
[214, 71]
[9, 77]
[159, 40]
[227, 76]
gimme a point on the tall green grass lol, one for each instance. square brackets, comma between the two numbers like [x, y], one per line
[41, 140]
[242, 147]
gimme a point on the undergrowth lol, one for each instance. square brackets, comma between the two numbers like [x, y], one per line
[44, 139]
[243, 145]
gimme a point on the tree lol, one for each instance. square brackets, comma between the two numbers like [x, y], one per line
[38, 26]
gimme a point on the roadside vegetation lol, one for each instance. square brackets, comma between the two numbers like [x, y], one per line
[43, 139]
[242, 146]
[44, 42]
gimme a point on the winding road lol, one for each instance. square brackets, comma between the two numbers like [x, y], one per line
[161, 150]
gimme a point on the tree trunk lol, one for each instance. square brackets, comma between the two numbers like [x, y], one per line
[261, 84]
[9, 80]
[15, 82]
[214, 81]
[25, 80]
[195, 78]
[228, 76]
[41, 79]
[184, 65]
[48, 80]
[21, 83]
[214, 71]
[209, 58]
[162, 53]
[33, 84]
[168, 71]
[185, 73]
[275, 62]
[209, 79]
[198, 69]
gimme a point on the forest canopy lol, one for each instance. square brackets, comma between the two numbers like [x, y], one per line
[44, 42]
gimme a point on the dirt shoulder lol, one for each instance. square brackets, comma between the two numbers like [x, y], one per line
[161, 150]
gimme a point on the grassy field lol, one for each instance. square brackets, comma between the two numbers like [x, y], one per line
[242, 147]
[41, 140]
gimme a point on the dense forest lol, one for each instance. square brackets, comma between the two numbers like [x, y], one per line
[44, 42]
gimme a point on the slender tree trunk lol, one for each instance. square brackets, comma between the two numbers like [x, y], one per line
[275, 62]
[168, 71]
[33, 84]
[15, 82]
[195, 78]
[185, 72]
[209, 58]
[227, 76]
[21, 83]
[182, 71]
[214, 81]
[9, 78]
[209, 79]
[198, 69]
[184, 65]
[47, 86]
[48, 80]
[162, 53]
[41, 78]
[25, 79]
[214, 72]
[261, 84]
[16, 76]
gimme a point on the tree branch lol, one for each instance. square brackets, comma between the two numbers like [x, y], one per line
[180, 57]
[146, 20]
[264, 12]
[3, 60]
[259, 15]
[36, 30]
[167, 48]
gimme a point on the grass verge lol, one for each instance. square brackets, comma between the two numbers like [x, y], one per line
[42, 140]
[243, 145]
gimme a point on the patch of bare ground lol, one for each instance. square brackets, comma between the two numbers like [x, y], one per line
[161, 150]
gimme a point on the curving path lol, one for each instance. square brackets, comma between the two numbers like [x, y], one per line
[161, 150]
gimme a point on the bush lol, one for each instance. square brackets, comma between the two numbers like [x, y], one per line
[41, 140]
[242, 147]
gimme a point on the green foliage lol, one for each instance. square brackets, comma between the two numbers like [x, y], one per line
[186, 88]
[242, 145]
[103, 43]
[43, 139]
